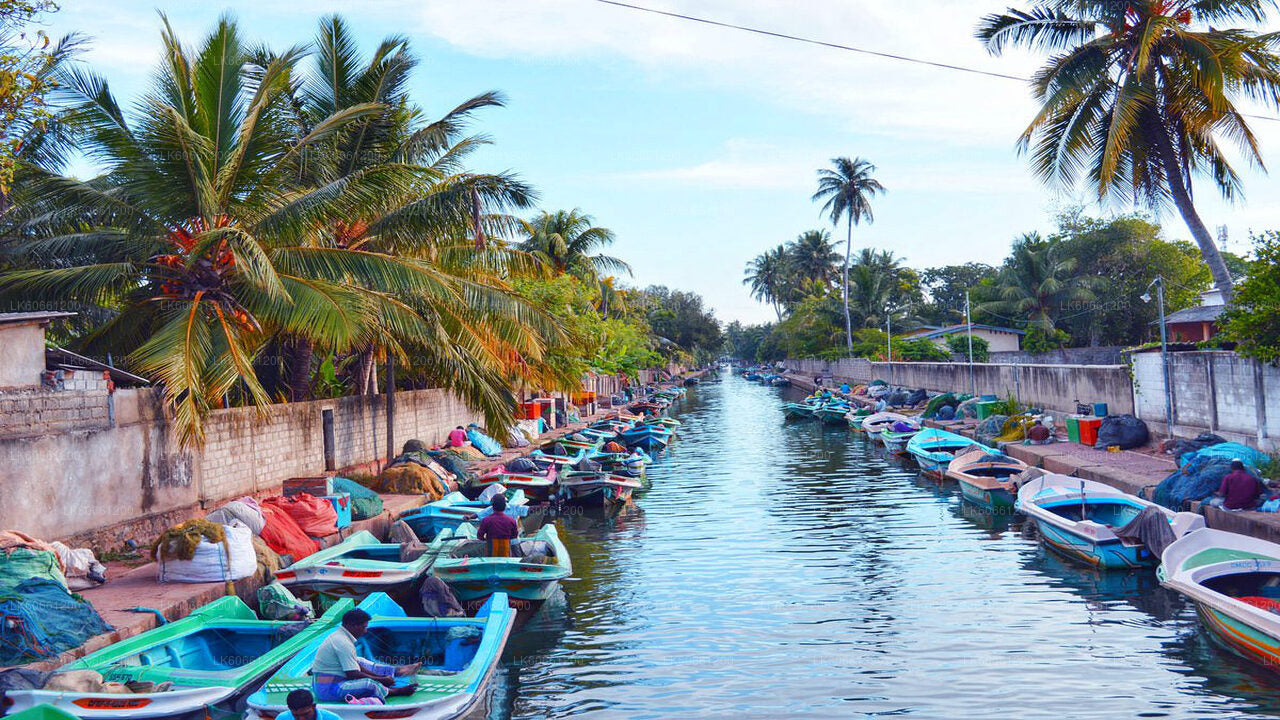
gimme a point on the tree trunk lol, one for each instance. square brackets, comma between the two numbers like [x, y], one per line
[300, 370]
[848, 321]
[367, 373]
[1180, 190]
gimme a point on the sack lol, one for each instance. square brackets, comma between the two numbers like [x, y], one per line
[316, 516]
[1126, 431]
[275, 602]
[231, 559]
[245, 511]
[83, 571]
[521, 465]
[484, 443]
[284, 536]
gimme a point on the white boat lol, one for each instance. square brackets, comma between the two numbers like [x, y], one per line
[1080, 517]
[877, 422]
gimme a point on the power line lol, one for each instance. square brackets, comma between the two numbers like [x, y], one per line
[838, 46]
[811, 41]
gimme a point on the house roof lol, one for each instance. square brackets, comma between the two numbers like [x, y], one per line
[14, 318]
[933, 333]
[56, 357]
[1203, 313]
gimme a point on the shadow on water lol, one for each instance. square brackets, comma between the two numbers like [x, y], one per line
[791, 569]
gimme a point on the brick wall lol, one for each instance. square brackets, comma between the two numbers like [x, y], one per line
[37, 411]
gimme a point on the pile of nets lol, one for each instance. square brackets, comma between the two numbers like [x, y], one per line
[1181, 447]
[456, 464]
[1200, 473]
[1015, 428]
[365, 503]
[181, 541]
[990, 428]
[40, 619]
[937, 403]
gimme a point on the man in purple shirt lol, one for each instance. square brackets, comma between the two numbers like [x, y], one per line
[499, 529]
[1239, 490]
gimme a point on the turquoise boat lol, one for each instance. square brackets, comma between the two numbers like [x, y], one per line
[354, 568]
[797, 411]
[544, 455]
[1234, 580]
[934, 449]
[528, 580]
[41, 712]
[1079, 518]
[597, 488]
[538, 487]
[212, 657]
[458, 656]
[454, 509]
[896, 442]
[832, 413]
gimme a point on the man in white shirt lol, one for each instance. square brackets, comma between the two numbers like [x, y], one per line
[338, 671]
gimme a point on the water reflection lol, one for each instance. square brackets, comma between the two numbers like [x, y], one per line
[796, 570]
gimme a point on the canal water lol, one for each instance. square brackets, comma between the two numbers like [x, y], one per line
[794, 570]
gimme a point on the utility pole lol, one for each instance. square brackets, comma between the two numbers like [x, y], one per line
[1164, 359]
[968, 321]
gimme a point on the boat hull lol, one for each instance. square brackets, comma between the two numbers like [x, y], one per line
[1110, 554]
[1244, 640]
[989, 498]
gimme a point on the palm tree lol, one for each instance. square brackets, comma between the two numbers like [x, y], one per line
[469, 323]
[873, 284]
[813, 257]
[847, 190]
[564, 241]
[1139, 96]
[768, 276]
[1037, 282]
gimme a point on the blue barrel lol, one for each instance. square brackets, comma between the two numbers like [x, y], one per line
[1099, 409]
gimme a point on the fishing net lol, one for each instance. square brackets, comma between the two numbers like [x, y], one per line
[937, 403]
[22, 563]
[180, 541]
[365, 503]
[40, 619]
[268, 559]
[411, 479]
[1198, 478]
[1015, 429]
[991, 427]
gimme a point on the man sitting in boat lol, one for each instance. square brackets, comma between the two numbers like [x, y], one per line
[499, 529]
[338, 671]
[1239, 490]
[302, 706]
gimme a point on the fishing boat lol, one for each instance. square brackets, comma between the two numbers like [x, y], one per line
[933, 450]
[832, 413]
[212, 658]
[855, 418]
[599, 488]
[547, 455]
[355, 567]
[528, 579]
[1079, 518]
[632, 460]
[896, 436]
[780, 381]
[876, 422]
[458, 656]
[454, 509]
[538, 486]
[987, 477]
[797, 411]
[1234, 580]
[577, 441]
[651, 438]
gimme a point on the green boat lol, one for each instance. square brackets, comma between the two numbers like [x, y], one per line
[458, 656]
[797, 411]
[528, 579]
[212, 657]
[42, 712]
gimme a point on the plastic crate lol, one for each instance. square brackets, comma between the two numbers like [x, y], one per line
[1089, 431]
[1073, 429]
[341, 503]
[986, 409]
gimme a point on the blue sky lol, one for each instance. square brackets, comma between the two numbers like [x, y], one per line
[698, 145]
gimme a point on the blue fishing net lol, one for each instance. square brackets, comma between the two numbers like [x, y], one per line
[40, 619]
[1197, 479]
[365, 503]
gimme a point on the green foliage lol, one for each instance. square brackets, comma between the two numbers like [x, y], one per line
[870, 343]
[959, 343]
[1253, 319]
[1038, 340]
[946, 287]
[27, 60]
[920, 350]
[1008, 406]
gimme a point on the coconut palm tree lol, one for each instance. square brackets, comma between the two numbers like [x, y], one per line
[769, 276]
[846, 190]
[1139, 96]
[813, 257]
[564, 241]
[471, 324]
[1037, 282]
[874, 287]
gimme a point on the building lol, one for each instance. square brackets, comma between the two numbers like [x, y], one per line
[999, 339]
[22, 347]
[1196, 324]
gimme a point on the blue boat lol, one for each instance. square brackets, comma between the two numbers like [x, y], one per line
[651, 438]
[934, 449]
[1080, 519]
[453, 509]
[458, 656]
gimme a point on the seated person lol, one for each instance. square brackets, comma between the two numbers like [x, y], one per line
[499, 529]
[302, 706]
[1038, 434]
[338, 671]
[1239, 490]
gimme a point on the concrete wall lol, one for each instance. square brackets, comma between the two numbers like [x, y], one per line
[21, 354]
[1109, 355]
[1052, 387]
[65, 470]
[1213, 391]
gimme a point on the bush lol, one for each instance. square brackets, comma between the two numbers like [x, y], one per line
[959, 343]
[1038, 340]
[1253, 319]
[922, 350]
